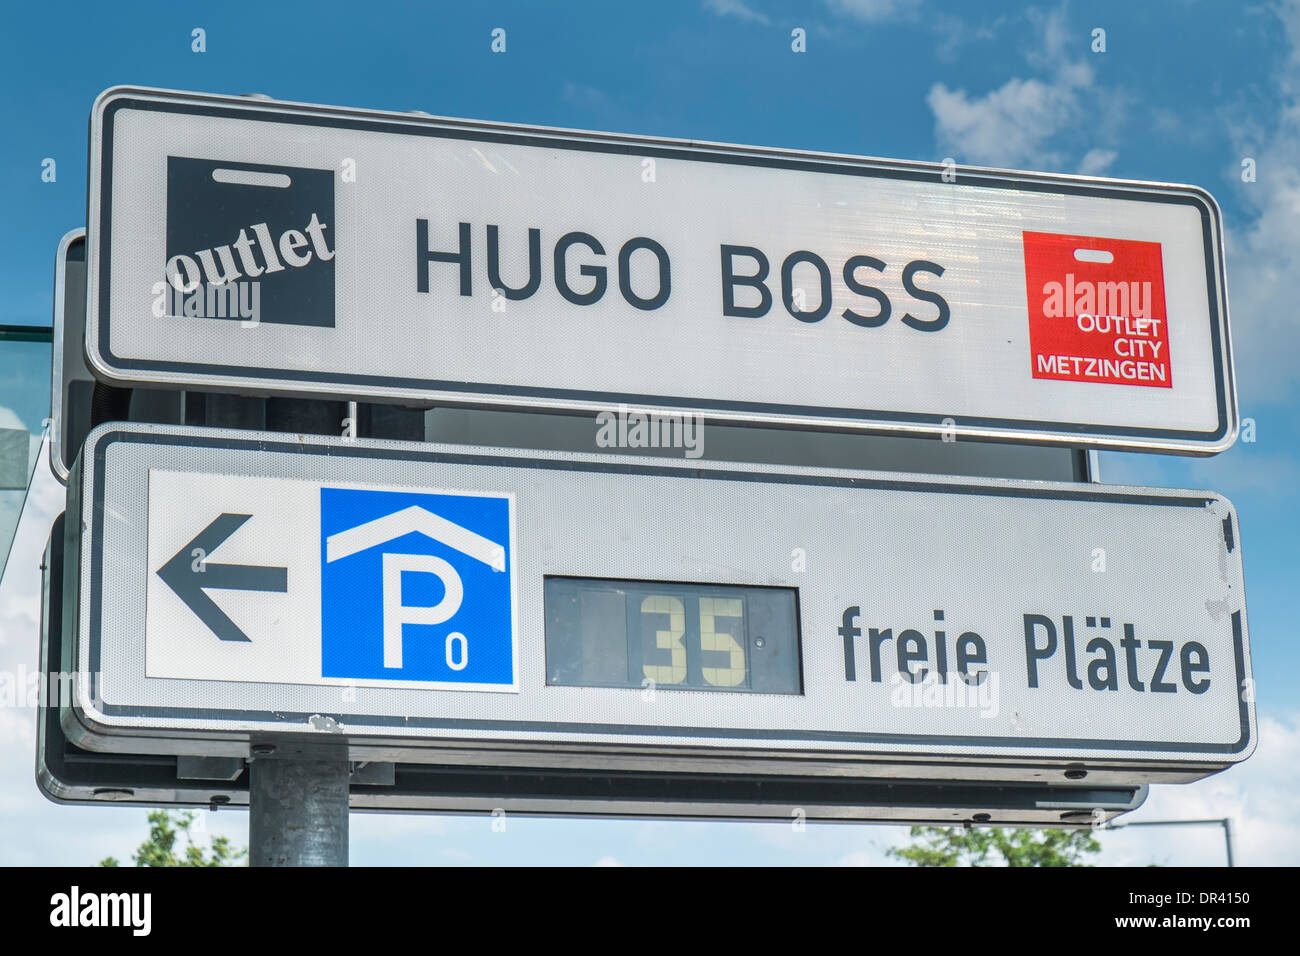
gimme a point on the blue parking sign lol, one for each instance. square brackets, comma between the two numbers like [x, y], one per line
[417, 586]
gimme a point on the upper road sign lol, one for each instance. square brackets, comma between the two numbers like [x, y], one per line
[264, 247]
[429, 601]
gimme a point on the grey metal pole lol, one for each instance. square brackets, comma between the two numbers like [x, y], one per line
[298, 806]
[1224, 822]
[297, 789]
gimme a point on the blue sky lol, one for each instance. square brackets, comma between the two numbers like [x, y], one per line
[1184, 92]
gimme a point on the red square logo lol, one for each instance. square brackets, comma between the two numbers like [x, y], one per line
[1097, 310]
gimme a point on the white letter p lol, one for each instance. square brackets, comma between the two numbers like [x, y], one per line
[396, 613]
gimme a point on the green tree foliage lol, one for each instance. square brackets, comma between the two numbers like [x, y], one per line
[995, 846]
[160, 849]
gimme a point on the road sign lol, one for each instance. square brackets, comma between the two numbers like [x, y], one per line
[71, 382]
[613, 611]
[275, 248]
[73, 407]
[68, 774]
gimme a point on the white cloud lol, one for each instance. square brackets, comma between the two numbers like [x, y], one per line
[608, 861]
[1264, 257]
[1008, 126]
[1096, 161]
[954, 33]
[1016, 124]
[736, 8]
[403, 827]
[874, 11]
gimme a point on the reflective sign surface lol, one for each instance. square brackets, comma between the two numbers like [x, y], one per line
[273, 248]
[940, 621]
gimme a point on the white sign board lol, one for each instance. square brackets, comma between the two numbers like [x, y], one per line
[267, 248]
[433, 599]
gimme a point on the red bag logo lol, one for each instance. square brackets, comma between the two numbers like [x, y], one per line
[1097, 310]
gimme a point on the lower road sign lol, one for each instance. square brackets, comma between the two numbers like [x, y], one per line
[68, 774]
[436, 603]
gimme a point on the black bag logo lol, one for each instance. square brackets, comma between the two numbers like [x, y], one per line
[250, 242]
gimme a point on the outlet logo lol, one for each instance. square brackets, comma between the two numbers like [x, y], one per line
[1097, 310]
[250, 241]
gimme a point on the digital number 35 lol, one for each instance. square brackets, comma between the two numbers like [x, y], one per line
[711, 639]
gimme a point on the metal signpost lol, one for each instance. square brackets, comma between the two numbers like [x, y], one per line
[262, 611]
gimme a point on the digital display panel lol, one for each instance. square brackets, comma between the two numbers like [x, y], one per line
[719, 637]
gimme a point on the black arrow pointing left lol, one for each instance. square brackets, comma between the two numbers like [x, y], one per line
[188, 574]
